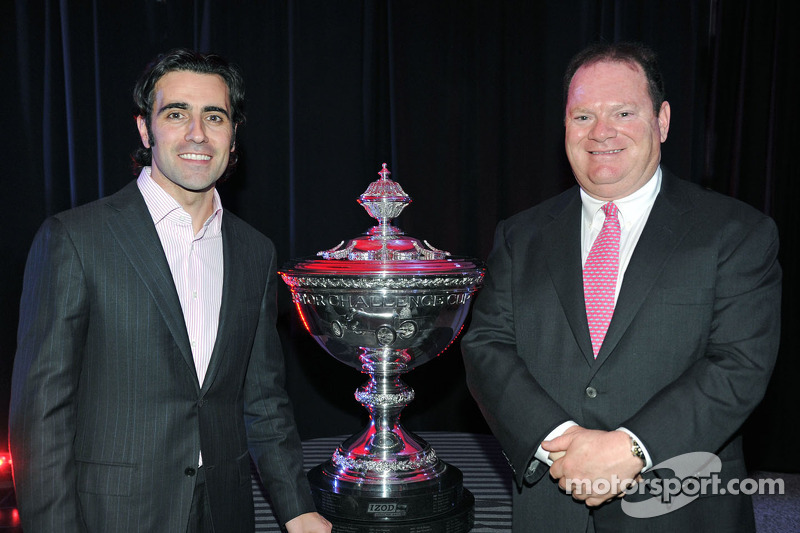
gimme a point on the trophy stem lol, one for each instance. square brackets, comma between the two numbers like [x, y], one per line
[385, 449]
[384, 397]
[386, 479]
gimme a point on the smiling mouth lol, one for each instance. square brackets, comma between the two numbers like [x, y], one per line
[195, 157]
[606, 152]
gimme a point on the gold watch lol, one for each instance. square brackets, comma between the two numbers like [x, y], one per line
[636, 450]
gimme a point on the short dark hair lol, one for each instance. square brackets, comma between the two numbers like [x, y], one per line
[183, 59]
[624, 52]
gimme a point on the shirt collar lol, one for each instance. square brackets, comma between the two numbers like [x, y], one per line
[629, 208]
[161, 204]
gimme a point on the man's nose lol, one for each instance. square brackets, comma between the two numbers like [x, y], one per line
[603, 129]
[197, 131]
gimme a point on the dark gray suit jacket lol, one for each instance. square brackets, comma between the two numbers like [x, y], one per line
[686, 359]
[107, 416]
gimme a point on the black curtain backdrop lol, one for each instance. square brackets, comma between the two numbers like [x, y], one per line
[462, 99]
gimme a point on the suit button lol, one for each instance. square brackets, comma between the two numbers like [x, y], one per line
[200, 403]
[591, 392]
[190, 471]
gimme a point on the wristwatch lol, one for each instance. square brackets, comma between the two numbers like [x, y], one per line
[636, 450]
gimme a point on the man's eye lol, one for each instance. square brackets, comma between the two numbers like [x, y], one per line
[214, 118]
[174, 115]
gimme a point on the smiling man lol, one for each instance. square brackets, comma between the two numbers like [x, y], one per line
[629, 320]
[613, 130]
[148, 368]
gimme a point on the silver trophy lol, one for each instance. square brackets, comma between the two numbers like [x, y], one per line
[385, 303]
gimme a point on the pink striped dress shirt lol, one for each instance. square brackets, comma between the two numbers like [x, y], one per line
[196, 263]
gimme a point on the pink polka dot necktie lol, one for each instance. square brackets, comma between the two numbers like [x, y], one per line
[600, 277]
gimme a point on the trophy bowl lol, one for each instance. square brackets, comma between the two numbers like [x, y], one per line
[384, 304]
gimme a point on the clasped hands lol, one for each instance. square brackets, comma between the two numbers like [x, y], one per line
[593, 466]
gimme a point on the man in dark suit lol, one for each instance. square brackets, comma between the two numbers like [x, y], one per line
[624, 323]
[148, 364]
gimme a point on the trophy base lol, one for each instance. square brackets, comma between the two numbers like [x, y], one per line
[437, 505]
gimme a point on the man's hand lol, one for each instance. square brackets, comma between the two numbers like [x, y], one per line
[308, 523]
[591, 465]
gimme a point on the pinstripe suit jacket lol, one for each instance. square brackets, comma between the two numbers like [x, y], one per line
[687, 356]
[107, 415]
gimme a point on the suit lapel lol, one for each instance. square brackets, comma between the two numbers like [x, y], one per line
[232, 288]
[561, 242]
[662, 233]
[133, 228]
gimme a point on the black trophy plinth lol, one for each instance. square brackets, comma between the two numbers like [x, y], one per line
[439, 505]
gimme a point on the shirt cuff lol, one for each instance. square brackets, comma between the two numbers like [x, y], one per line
[648, 462]
[542, 454]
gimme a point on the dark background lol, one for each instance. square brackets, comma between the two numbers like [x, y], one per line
[462, 99]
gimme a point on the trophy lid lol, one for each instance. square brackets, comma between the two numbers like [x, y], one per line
[384, 248]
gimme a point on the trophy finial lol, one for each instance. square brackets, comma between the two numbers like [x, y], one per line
[384, 199]
[384, 172]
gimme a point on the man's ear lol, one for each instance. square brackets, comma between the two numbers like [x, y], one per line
[141, 124]
[663, 120]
